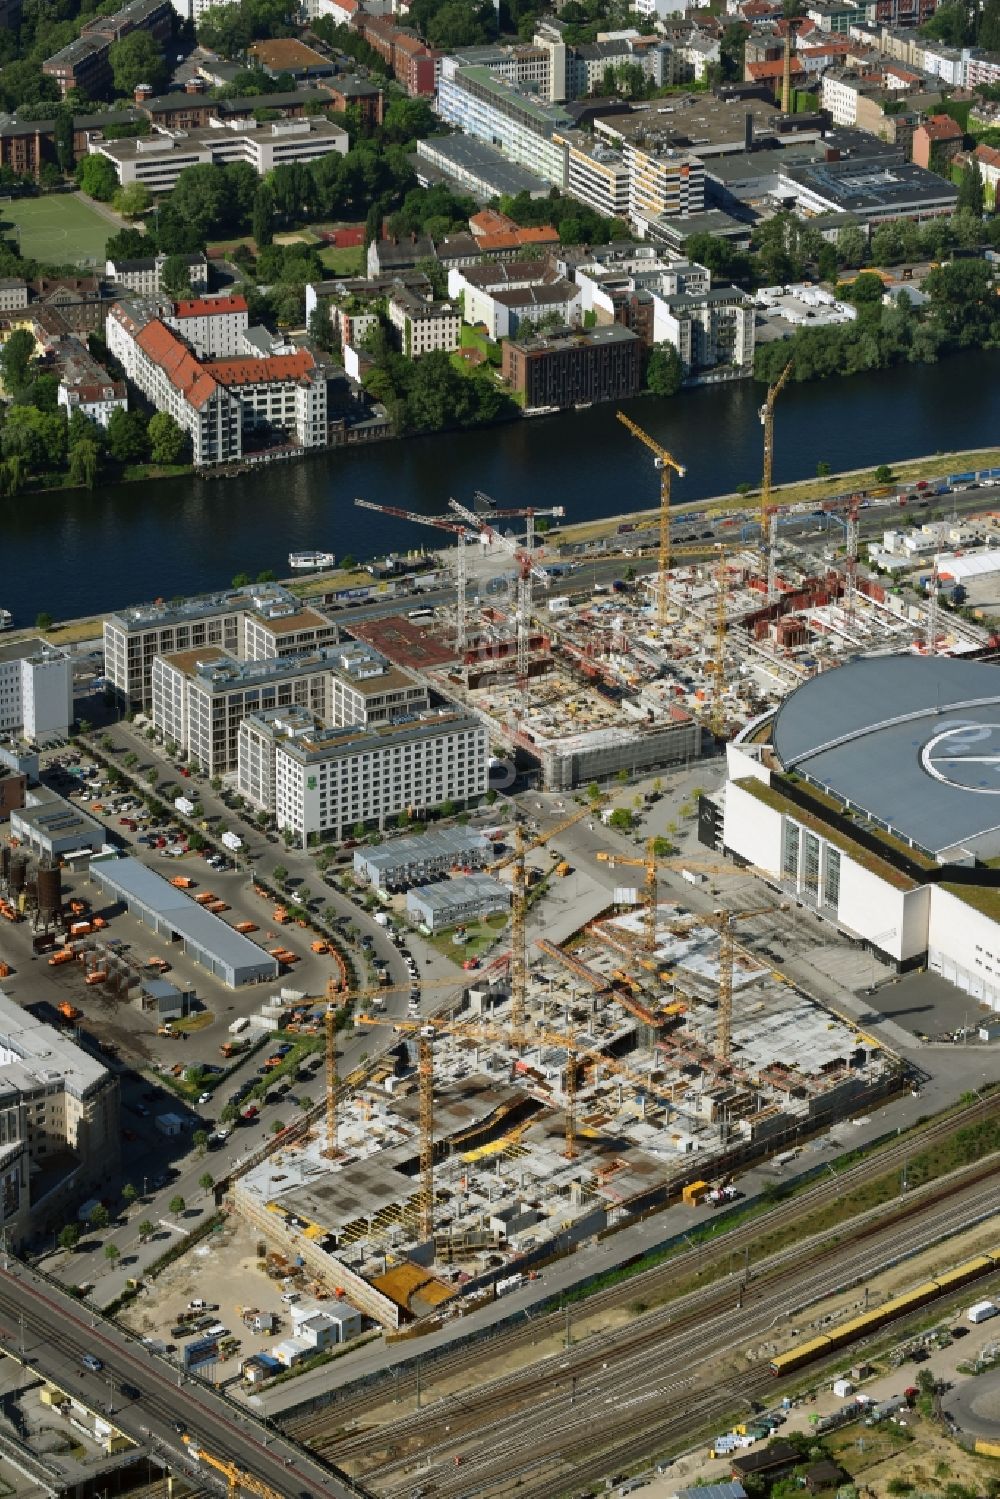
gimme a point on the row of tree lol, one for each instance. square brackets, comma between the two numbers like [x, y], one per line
[963, 313]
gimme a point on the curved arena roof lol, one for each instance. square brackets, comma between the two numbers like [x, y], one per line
[913, 741]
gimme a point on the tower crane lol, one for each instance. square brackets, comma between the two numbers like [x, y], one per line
[463, 533]
[651, 862]
[238, 1482]
[769, 513]
[518, 912]
[667, 464]
[717, 715]
[527, 569]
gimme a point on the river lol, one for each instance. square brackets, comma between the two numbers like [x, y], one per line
[75, 553]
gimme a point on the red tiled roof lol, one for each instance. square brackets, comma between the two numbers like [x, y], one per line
[772, 69]
[488, 221]
[182, 369]
[941, 128]
[988, 155]
[205, 306]
[262, 371]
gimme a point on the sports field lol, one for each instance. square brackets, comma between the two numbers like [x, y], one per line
[58, 228]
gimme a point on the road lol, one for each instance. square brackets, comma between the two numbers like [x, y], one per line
[57, 1331]
[662, 1376]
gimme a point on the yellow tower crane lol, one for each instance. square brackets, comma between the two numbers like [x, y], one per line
[238, 1482]
[768, 512]
[667, 464]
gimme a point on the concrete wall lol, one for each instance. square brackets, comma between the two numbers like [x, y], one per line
[963, 945]
[325, 1266]
[752, 829]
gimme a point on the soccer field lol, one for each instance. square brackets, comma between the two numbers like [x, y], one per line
[57, 228]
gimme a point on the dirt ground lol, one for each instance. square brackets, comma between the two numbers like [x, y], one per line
[224, 1270]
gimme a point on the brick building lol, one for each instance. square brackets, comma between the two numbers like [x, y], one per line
[85, 63]
[938, 136]
[570, 368]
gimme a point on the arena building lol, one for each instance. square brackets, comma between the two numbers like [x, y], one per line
[872, 794]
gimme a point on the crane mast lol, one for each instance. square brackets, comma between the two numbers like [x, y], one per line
[462, 534]
[769, 515]
[667, 465]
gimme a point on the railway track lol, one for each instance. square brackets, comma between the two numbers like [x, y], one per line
[645, 1285]
[581, 1419]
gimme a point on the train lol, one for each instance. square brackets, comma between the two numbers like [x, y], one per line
[899, 1306]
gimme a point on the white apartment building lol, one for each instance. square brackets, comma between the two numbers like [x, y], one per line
[285, 392]
[258, 623]
[143, 276]
[162, 366]
[57, 1106]
[367, 689]
[709, 328]
[528, 67]
[157, 160]
[322, 781]
[36, 690]
[840, 96]
[98, 400]
[588, 65]
[424, 326]
[214, 326]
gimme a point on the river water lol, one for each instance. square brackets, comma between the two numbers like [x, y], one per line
[73, 553]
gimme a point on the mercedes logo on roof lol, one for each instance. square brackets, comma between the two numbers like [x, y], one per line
[966, 756]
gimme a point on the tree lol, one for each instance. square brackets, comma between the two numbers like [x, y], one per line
[146, 1229]
[276, 1126]
[132, 200]
[971, 193]
[127, 244]
[98, 1217]
[127, 436]
[664, 371]
[200, 1141]
[84, 463]
[883, 474]
[168, 442]
[822, 469]
[851, 246]
[43, 621]
[15, 359]
[177, 1205]
[97, 176]
[111, 1252]
[138, 58]
[69, 1236]
[621, 818]
[129, 1194]
[262, 221]
[175, 275]
[280, 874]
[206, 1182]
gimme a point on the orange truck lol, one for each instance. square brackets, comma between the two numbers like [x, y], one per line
[68, 1011]
[64, 955]
[320, 946]
[216, 907]
[8, 912]
[246, 927]
[97, 976]
[81, 929]
[205, 896]
[182, 881]
[280, 915]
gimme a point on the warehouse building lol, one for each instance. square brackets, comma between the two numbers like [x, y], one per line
[870, 796]
[175, 917]
[407, 861]
[452, 902]
[53, 828]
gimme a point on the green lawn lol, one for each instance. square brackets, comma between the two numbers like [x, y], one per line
[57, 228]
[343, 262]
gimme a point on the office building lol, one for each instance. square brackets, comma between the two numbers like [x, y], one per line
[36, 690]
[523, 127]
[157, 160]
[467, 897]
[472, 166]
[320, 781]
[60, 1132]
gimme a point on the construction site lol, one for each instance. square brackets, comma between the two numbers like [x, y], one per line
[585, 682]
[642, 1063]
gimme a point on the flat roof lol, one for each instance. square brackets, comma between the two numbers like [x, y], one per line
[913, 741]
[870, 186]
[436, 843]
[463, 153]
[28, 1045]
[51, 816]
[132, 881]
[159, 614]
[451, 895]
